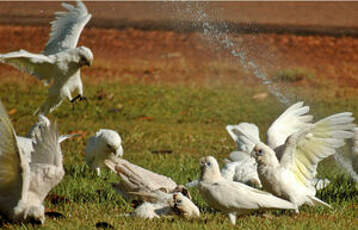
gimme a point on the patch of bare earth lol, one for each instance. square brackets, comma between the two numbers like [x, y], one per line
[131, 55]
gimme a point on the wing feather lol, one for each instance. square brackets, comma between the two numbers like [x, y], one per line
[292, 120]
[306, 148]
[46, 146]
[37, 65]
[243, 143]
[14, 170]
[67, 27]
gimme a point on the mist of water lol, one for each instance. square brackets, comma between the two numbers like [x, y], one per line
[220, 34]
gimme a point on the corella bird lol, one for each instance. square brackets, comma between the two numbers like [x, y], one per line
[106, 144]
[288, 170]
[240, 166]
[60, 62]
[233, 198]
[137, 179]
[23, 184]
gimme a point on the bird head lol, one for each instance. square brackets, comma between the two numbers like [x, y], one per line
[110, 142]
[183, 206]
[263, 154]
[209, 169]
[35, 214]
[86, 56]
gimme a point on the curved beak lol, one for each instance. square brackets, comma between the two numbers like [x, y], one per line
[119, 151]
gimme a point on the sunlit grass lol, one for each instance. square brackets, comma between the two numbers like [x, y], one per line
[188, 120]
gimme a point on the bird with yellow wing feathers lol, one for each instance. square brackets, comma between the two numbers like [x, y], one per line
[287, 166]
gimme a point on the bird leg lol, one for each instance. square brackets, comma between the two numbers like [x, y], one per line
[80, 98]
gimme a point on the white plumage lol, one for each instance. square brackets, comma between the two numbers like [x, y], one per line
[233, 198]
[60, 62]
[23, 184]
[354, 150]
[288, 168]
[106, 144]
[137, 179]
[162, 203]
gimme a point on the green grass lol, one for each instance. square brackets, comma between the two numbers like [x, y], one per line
[293, 75]
[188, 120]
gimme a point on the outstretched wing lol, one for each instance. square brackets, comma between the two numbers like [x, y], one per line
[14, 170]
[305, 149]
[244, 145]
[67, 27]
[46, 146]
[37, 65]
[292, 120]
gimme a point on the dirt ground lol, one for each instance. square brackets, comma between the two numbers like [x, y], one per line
[162, 55]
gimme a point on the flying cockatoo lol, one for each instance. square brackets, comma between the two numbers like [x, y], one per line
[23, 184]
[162, 203]
[61, 60]
[106, 144]
[287, 168]
[234, 198]
[137, 179]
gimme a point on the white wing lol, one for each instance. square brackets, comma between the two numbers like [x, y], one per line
[292, 120]
[306, 148]
[243, 143]
[14, 170]
[137, 178]
[67, 28]
[37, 65]
[354, 150]
[46, 146]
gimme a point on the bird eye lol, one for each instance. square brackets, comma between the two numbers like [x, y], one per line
[208, 164]
[109, 146]
[260, 152]
[179, 201]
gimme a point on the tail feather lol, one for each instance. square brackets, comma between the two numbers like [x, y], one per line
[316, 201]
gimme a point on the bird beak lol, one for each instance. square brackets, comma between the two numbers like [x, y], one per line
[119, 151]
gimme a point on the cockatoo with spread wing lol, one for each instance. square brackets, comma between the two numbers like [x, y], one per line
[61, 60]
[240, 166]
[106, 144]
[23, 184]
[233, 198]
[287, 168]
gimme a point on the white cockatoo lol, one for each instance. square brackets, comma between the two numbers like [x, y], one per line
[61, 60]
[106, 144]
[137, 179]
[23, 184]
[287, 165]
[162, 203]
[240, 166]
[233, 198]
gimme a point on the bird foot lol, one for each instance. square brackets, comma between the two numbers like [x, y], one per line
[79, 97]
